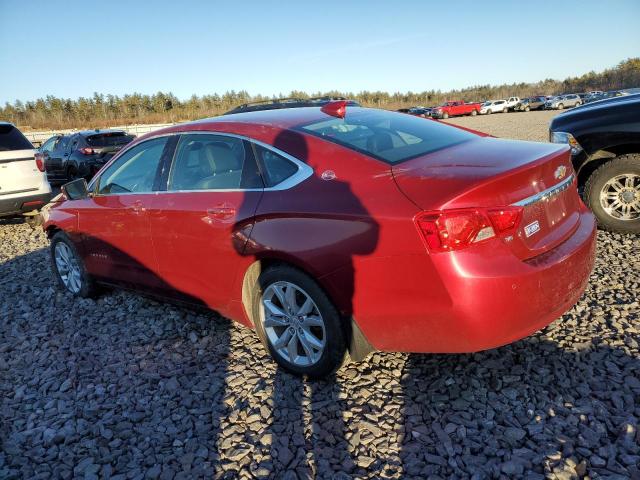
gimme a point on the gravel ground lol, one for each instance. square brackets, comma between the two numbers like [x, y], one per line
[520, 125]
[126, 387]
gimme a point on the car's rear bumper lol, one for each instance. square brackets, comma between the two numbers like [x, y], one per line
[467, 302]
[24, 204]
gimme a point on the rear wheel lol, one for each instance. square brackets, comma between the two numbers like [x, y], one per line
[613, 193]
[68, 267]
[297, 323]
[72, 173]
[474, 113]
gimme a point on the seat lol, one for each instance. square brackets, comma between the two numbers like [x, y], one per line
[379, 142]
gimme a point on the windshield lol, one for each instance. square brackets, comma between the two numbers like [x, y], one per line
[112, 139]
[12, 139]
[387, 136]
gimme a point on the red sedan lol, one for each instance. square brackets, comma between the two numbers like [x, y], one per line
[335, 228]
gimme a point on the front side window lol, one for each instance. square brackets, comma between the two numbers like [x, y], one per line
[275, 168]
[135, 170]
[48, 145]
[208, 162]
[387, 136]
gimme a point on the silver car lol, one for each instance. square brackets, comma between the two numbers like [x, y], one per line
[563, 101]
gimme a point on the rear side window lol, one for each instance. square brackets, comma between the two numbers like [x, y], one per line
[387, 136]
[275, 168]
[112, 139]
[12, 139]
[208, 162]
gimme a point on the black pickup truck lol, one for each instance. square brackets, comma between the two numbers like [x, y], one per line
[605, 145]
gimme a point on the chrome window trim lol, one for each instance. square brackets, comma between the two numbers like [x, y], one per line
[303, 173]
[548, 193]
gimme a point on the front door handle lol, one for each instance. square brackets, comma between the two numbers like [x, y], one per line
[137, 207]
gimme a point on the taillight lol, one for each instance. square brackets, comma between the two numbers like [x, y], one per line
[39, 162]
[87, 151]
[449, 230]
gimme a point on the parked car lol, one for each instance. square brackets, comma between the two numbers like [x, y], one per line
[455, 109]
[81, 154]
[417, 111]
[23, 183]
[493, 106]
[531, 103]
[314, 226]
[605, 144]
[563, 101]
[512, 102]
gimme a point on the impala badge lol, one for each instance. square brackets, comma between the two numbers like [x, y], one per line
[560, 172]
[532, 228]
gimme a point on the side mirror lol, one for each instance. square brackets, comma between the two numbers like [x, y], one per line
[75, 190]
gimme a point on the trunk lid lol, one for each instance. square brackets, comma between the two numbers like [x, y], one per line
[18, 172]
[490, 172]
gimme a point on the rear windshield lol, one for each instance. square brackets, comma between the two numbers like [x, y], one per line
[109, 139]
[387, 136]
[12, 139]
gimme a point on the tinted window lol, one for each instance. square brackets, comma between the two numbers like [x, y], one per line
[388, 136]
[207, 162]
[62, 143]
[12, 139]
[275, 168]
[49, 144]
[112, 139]
[135, 170]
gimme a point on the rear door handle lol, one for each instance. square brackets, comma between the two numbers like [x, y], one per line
[221, 213]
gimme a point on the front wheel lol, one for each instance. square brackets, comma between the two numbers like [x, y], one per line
[445, 115]
[613, 193]
[505, 110]
[526, 109]
[560, 106]
[68, 267]
[489, 111]
[297, 323]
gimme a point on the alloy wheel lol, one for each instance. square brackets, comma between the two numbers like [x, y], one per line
[68, 267]
[620, 196]
[293, 324]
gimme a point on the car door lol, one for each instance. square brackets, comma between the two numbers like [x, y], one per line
[114, 221]
[54, 164]
[45, 151]
[201, 224]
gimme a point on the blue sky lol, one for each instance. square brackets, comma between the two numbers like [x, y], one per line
[73, 48]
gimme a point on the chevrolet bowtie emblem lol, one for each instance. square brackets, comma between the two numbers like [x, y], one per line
[560, 172]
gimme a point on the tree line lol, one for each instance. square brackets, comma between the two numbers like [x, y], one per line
[108, 110]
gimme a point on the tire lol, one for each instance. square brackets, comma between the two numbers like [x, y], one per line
[489, 111]
[526, 109]
[327, 328]
[474, 113]
[505, 110]
[77, 282]
[598, 188]
[72, 173]
[445, 115]
[560, 106]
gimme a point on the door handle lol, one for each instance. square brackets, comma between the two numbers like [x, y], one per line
[137, 207]
[222, 212]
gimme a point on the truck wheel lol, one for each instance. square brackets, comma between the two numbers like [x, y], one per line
[445, 115]
[613, 193]
[474, 113]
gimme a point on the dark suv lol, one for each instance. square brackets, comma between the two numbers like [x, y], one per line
[605, 145]
[81, 154]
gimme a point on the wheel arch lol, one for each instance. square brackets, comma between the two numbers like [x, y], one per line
[602, 156]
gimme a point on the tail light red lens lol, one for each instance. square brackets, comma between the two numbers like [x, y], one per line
[87, 151]
[39, 162]
[450, 230]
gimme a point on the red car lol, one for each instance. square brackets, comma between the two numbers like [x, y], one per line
[335, 228]
[455, 109]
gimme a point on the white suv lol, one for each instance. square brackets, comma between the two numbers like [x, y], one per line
[23, 181]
